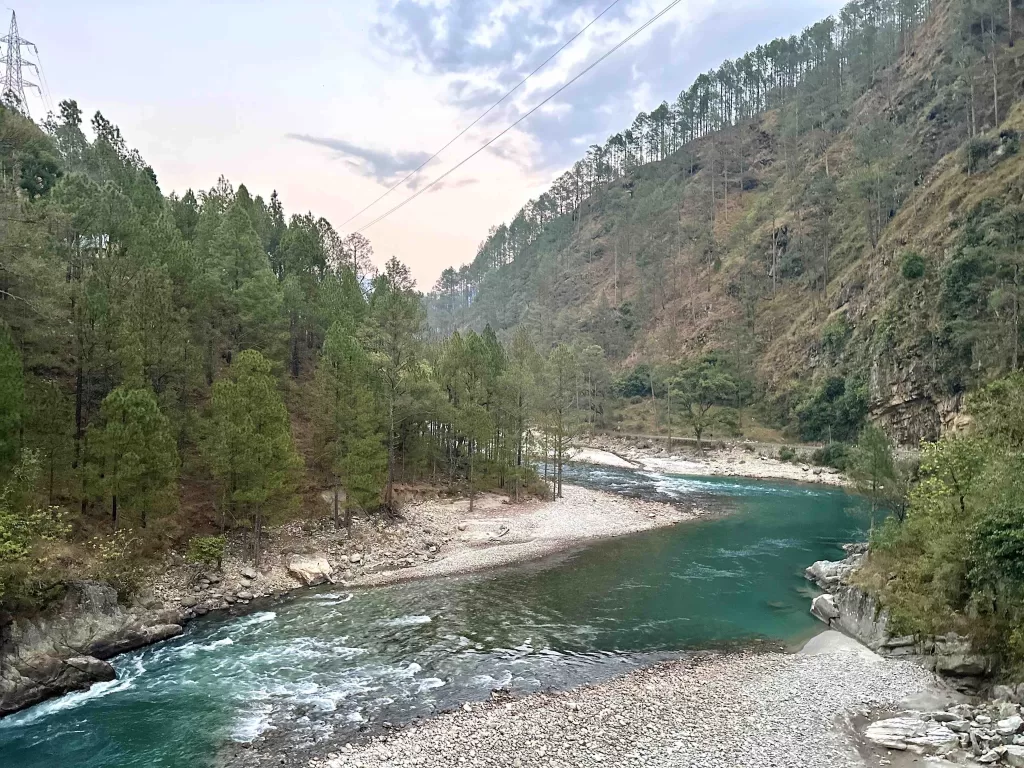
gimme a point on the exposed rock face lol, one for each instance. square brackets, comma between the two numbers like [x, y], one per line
[37, 678]
[63, 650]
[903, 399]
[310, 570]
[852, 610]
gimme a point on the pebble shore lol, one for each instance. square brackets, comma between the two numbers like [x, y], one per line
[743, 710]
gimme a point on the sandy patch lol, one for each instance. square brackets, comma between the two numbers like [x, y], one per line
[503, 534]
[734, 461]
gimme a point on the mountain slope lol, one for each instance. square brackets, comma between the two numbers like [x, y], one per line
[864, 234]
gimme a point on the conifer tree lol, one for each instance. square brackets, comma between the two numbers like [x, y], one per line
[134, 455]
[249, 444]
[12, 398]
[356, 449]
[392, 339]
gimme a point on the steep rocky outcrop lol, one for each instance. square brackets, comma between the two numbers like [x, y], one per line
[65, 648]
[850, 609]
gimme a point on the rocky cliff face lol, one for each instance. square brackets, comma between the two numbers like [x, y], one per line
[903, 400]
[850, 609]
[65, 649]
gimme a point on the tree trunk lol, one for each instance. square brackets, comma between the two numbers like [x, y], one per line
[471, 494]
[257, 531]
[337, 520]
[113, 512]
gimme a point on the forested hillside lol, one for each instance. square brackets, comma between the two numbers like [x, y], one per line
[176, 368]
[839, 214]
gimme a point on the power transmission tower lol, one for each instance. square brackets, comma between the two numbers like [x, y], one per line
[12, 90]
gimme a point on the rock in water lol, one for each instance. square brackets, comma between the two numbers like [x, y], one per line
[310, 570]
[824, 607]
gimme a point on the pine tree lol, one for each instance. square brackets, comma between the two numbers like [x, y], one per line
[355, 440]
[134, 455]
[392, 339]
[12, 398]
[249, 444]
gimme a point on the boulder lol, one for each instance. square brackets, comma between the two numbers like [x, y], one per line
[310, 570]
[913, 733]
[356, 558]
[36, 678]
[243, 595]
[893, 732]
[131, 637]
[249, 573]
[1013, 755]
[1009, 726]
[824, 608]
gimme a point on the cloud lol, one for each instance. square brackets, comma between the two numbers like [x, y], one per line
[484, 47]
[380, 165]
[457, 184]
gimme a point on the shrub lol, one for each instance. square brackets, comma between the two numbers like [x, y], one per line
[786, 453]
[912, 267]
[977, 151]
[835, 333]
[208, 550]
[636, 383]
[28, 528]
[836, 410]
[836, 455]
[117, 562]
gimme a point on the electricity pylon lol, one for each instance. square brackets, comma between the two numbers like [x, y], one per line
[12, 89]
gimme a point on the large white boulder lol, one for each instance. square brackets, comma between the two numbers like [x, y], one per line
[911, 733]
[310, 569]
[824, 607]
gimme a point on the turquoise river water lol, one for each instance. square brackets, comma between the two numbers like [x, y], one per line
[333, 661]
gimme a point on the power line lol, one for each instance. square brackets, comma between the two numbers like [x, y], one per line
[490, 109]
[462, 162]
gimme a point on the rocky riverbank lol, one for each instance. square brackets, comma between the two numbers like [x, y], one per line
[65, 649]
[849, 608]
[751, 460]
[740, 710]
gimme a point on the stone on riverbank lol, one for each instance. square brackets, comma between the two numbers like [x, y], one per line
[310, 570]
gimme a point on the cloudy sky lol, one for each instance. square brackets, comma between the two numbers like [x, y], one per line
[331, 103]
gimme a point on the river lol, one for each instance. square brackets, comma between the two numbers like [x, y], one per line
[333, 661]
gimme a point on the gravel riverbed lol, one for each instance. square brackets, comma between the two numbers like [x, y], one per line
[748, 709]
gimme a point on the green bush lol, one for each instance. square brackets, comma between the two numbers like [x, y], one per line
[835, 333]
[786, 453]
[208, 550]
[28, 527]
[835, 411]
[955, 560]
[635, 383]
[836, 455]
[912, 267]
